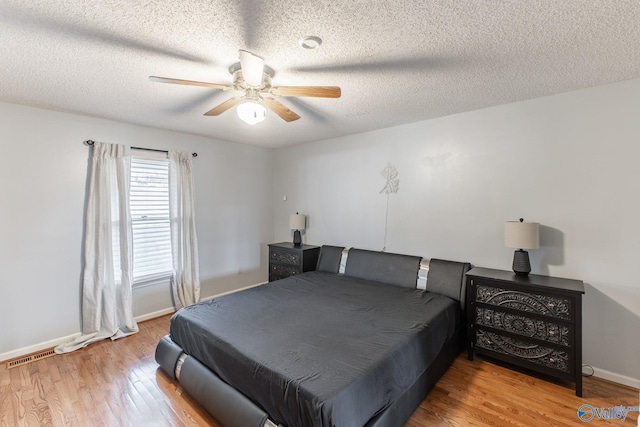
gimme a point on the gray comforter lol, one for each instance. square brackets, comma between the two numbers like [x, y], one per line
[319, 349]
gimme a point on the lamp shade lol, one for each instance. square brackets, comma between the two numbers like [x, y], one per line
[297, 221]
[522, 235]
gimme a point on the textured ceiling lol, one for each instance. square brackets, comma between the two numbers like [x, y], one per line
[396, 61]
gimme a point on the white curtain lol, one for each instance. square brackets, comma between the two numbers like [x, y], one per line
[184, 244]
[107, 308]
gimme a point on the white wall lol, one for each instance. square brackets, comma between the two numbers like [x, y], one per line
[568, 161]
[43, 176]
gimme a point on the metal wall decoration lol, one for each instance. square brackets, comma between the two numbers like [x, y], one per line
[392, 184]
[391, 174]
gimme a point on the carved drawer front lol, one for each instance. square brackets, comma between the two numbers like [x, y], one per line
[292, 258]
[534, 353]
[546, 305]
[525, 326]
[283, 270]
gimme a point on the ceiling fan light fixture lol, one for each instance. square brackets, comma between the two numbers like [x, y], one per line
[251, 112]
[252, 78]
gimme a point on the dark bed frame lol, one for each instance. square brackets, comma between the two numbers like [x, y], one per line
[232, 409]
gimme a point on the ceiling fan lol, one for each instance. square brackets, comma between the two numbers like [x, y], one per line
[253, 78]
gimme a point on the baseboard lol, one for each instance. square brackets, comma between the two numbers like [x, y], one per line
[616, 378]
[20, 352]
[232, 291]
[170, 310]
[155, 314]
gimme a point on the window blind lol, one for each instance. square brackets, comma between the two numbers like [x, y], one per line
[149, 205]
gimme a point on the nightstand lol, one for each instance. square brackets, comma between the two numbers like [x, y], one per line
[286, 259]
[534, 322]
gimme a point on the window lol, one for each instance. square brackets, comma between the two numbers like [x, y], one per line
[149, 204]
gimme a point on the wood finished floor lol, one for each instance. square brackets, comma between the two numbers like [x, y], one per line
[119, 384]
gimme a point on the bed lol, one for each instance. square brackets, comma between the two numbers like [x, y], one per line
[354, 343]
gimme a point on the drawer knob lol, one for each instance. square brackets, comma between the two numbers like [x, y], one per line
[552, 360]
[551, 305]
[552, 333]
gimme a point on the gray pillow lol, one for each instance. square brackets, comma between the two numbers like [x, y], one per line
[447, 278]
[329, 259]
[394, 269]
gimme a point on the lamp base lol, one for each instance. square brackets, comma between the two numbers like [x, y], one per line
[521, 264]
[297, 238]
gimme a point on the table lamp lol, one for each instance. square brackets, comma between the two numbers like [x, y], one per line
[521, 235]
[297, 223]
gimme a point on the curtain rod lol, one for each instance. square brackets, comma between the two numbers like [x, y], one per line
[90, 142]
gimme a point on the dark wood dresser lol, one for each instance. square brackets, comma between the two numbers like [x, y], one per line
[286, 259]
[534, 322]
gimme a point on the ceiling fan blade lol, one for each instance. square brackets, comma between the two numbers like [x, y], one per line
[189, 82]
[252, 67]
[286, 114]
[309, 91]
[229, 103]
